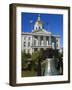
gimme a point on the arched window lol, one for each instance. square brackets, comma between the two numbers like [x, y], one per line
[36, 28]
[39, 28]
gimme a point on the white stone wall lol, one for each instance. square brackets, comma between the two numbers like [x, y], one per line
[25, 38]
[54, 43]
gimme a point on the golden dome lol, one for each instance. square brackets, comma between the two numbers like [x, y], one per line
[38, 23]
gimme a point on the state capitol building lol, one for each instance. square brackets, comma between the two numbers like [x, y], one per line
[39, 38]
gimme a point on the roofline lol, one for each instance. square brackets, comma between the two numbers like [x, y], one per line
[27, 33]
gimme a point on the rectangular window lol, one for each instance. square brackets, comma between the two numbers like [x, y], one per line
[34, 42]
[24, 44]
[28, 43]
[25, 38]
[41, 38]
[29, 38]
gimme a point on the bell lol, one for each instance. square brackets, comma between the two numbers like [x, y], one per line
[50, 67]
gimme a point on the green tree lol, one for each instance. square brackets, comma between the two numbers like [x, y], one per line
[25, 57]
[37, 57]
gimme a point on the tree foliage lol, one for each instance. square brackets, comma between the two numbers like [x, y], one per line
[37, 55]
[25, 57]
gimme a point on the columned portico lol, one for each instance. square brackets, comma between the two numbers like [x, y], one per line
[38, 42]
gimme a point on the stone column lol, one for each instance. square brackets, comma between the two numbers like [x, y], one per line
[38, 40]
[44, 40]
[32, 40]
[49, 40]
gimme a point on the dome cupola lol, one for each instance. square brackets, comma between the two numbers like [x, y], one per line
[38, 24]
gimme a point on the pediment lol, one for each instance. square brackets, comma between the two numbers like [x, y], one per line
[41, 32]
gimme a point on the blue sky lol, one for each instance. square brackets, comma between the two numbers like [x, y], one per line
[52, 23]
